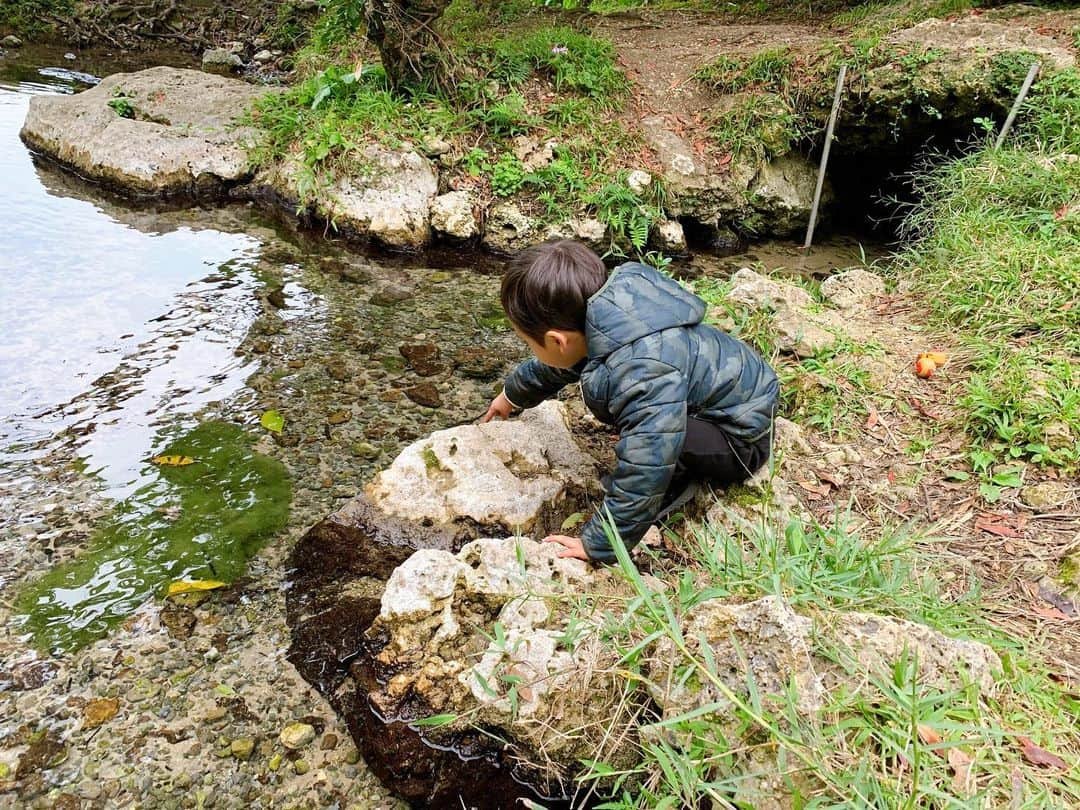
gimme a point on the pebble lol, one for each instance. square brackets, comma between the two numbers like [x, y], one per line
[296, 735]
[242, 748]
[301, 767]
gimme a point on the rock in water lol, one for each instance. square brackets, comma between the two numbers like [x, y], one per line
[452, 215]
[508, 475]
[221, 59]
[182, 136]
[425, 394]
[389, 201]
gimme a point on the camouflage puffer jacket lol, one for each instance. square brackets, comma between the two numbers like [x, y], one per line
[651, 363]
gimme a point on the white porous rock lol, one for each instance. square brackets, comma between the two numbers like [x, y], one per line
[452, 215]
[439, 615]
[388, 199]
[852, 288]
[876, 643]
[184, 136]
[638, 181]
[506, 228]
[499, 474]
[670, 236]
[765, 638]
[759, 292]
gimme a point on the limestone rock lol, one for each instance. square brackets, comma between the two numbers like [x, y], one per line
[788, 438]
[852, 288]
[971, 36]
[765, 638]
[183, 137]
[699, 192]
[802, 335]
[638, 181]
[511, 475]
[756, 291]
[388, 201]
[1047, 495]
[783, 194]
[433, 611]
[11, 41]
[221, 59]
[452, 215]
[670, 236]
[263, 56]
[875, 643]
[506, 229]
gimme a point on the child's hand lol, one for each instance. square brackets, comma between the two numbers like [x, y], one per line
[500, 407]
[571, 546]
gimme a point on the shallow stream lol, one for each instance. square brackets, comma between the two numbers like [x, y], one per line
[135, 331]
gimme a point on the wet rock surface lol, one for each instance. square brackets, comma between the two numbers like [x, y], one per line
[159, 131]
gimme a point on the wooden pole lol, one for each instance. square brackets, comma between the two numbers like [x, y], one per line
[1028, 81]
[825, 157]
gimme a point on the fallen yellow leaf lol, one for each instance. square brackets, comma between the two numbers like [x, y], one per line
[98, 711]
[173, 461]
[189, 585]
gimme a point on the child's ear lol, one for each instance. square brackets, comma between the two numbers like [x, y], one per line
[556, 339]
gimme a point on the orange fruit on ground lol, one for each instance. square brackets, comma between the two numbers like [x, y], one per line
[925, 367]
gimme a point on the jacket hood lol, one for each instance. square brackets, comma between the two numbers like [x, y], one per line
[637, 301]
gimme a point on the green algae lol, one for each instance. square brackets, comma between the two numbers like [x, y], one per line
[201, 521]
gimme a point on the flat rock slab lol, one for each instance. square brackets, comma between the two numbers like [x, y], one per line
[181, 137]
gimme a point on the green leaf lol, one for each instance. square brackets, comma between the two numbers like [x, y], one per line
[957, 475]
[225, 690]
[989, 492]
[575, 519]
[435, 720]
[1008, 478]
[272, 421]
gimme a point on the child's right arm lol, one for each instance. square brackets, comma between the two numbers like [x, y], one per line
[532, 382]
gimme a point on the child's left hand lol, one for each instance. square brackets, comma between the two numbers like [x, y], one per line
[571, 546]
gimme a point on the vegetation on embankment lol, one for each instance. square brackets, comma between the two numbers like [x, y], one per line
[891, 741]
[518, 88]
[995, 258]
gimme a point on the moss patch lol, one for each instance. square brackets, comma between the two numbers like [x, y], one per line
[202, 521]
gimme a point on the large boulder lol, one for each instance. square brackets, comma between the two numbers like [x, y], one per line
[524, 475]
[484, 635]
[389, 200]
[161, 131]
[773, 195]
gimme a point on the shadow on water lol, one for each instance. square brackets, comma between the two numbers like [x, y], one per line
[199, 521]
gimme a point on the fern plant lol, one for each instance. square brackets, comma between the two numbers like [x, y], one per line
[627, 216]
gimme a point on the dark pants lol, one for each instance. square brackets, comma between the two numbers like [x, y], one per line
[712, 455]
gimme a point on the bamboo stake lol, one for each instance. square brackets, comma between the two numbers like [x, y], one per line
[1028, 81]
[825, 157]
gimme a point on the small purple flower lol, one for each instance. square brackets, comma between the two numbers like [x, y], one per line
[560, 49]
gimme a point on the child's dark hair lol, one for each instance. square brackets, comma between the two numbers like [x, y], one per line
[547, 286]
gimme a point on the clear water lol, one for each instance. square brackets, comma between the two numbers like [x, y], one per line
[82, 286]
[123, 323]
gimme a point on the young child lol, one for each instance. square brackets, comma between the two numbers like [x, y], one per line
[689, 400]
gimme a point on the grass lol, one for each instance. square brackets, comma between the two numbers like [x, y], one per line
[31, 17]
[888, 738]
[995, 256]
[547, 83]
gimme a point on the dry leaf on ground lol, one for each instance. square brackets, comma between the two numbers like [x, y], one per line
[1040, 756]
